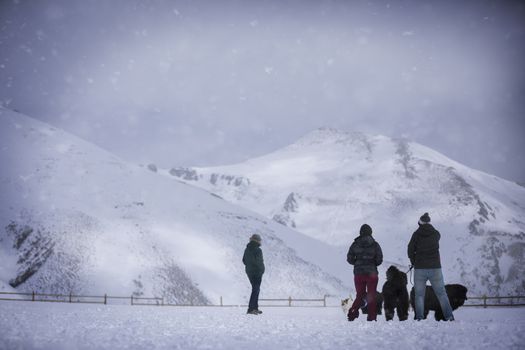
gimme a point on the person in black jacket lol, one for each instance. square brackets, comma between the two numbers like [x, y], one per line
[365, 254]
[423, 252]
[254, 266]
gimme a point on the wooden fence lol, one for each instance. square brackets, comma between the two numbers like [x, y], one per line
[74, 298]
[483, 301]
[296, 302]
[486, 301]
[135, 300]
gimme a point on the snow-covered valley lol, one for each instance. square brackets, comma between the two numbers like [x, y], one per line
[76, 218]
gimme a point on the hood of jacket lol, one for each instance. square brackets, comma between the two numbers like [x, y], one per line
[253, 244]
[364, 241]
[426, 230]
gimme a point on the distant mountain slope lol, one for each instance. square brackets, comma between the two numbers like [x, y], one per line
[330, 182]
[76, 218]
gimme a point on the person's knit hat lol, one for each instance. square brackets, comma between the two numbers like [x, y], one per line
[365, 230]
[424, 219]
[255, 237]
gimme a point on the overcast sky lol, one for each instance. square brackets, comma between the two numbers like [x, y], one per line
[217, 82]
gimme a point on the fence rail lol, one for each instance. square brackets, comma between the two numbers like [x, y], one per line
[484, 301]
[487, 301]
[79, 299]
[136, 300]
[288, 302]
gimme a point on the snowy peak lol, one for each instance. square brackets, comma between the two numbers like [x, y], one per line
[330, 136]
[328, 141]
[357, 145]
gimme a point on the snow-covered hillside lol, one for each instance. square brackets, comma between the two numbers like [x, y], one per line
[330, 182]
[75, 218]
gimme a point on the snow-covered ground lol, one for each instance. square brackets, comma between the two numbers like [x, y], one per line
[26, 325]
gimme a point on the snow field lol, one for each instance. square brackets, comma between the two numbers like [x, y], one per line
[26, 325]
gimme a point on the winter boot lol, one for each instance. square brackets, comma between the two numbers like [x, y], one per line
[352, 314]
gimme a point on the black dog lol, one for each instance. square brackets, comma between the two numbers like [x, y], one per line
[395, 294]
[379, 304]
[457, 294]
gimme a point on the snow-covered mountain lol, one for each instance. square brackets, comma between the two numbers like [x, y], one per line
[330, 182]
[75, 218]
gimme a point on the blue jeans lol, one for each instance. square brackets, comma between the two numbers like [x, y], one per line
[435, 276]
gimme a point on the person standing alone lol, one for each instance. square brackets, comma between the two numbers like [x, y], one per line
[366, 255]
[423, 252]
[254, 266]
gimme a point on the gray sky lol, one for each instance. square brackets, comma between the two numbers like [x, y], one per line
[217, 82]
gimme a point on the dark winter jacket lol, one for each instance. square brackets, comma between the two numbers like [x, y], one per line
[365, 254]
[423, 249]
[253, 260]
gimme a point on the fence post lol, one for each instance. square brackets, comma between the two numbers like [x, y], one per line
[132, 300]
[105, 299]
[162, 301]
[221, 300]
[290, 301]
[33, 299]
[484, 301]
[69, 296]
[324, 300]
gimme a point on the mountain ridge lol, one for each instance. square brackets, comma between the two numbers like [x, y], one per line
[330, 182]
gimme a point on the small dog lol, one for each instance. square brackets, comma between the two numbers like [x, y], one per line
[395, 294]
[346, 304]
[457, 294]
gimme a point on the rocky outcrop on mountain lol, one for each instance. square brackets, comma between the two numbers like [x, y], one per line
[290, 206]
[184, 173]
[33, 248]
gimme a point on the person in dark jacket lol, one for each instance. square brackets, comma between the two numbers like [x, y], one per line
[423, 252]
[366, 255]
[254, 266]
